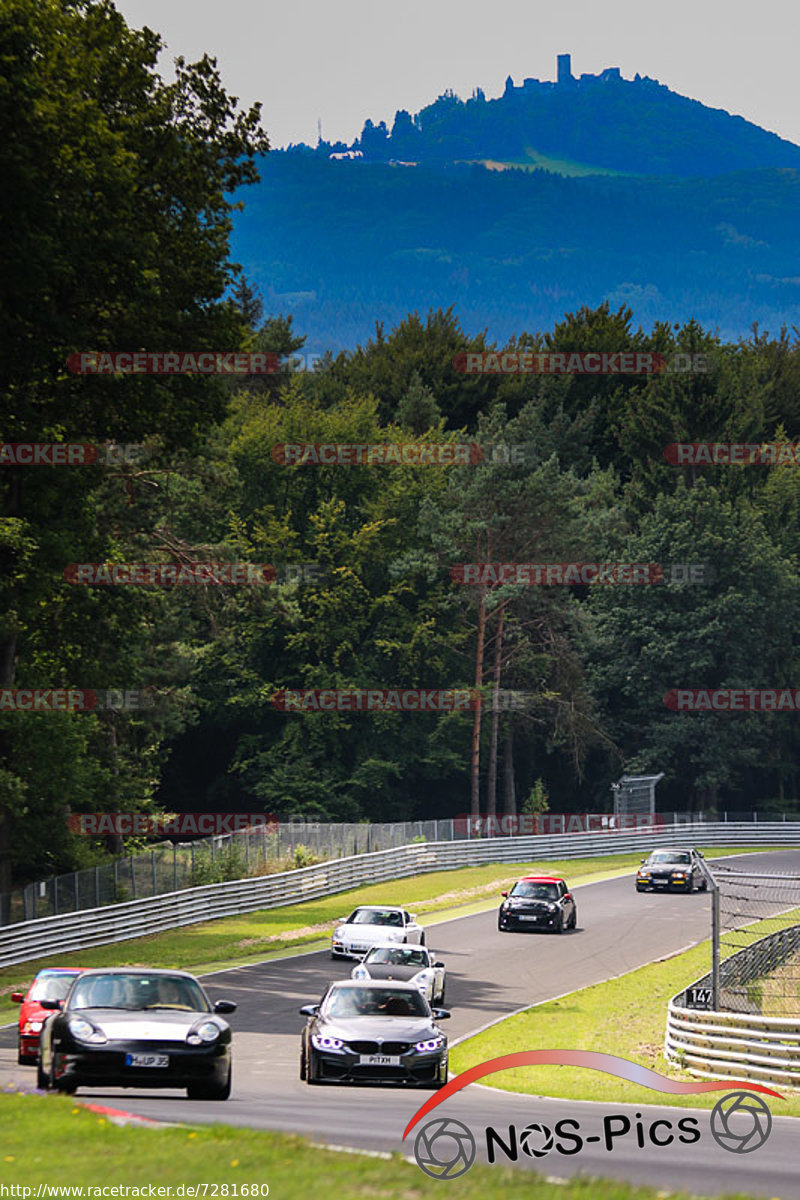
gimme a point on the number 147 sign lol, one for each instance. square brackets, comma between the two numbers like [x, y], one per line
[698, 997]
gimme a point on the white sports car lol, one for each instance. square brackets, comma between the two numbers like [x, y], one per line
[372, 923]
[415, 963]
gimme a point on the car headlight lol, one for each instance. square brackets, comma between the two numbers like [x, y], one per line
[32, 1026]
[644, 874]
[209, 1031]
[326, 1043]
[678, 874]
[423, 978]
[359, 973]
[431, 1044]
[340, 932]
[85, 1031]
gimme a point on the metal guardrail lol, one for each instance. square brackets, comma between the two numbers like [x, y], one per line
[171, 866]
[119, 922]
[712, 1043]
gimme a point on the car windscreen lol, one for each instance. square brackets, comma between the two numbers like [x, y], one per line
[51, 987]
[375, 1002]
[669, 856]
[398, 956]
[535, 891]
[369, 916]
[138, 992]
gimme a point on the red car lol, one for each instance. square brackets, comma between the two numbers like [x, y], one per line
[52, 983]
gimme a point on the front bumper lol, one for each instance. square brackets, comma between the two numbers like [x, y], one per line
[413, 1069]
[663, 883]
[105, 1065]
[29, 1046]
[520, 920]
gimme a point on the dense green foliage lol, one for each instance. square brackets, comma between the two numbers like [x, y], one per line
[121, 231]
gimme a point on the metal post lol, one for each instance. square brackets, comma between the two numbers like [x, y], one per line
[153, 864]
[97, 887]
[116, 880]
[133, 878]
[715, 948]
[77, 892]
[715, 935]
[175, 866]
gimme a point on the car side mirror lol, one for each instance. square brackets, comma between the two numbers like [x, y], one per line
[309, 1010]
[225, 1006]
[440, 1014]
[567, 896]
[504, 893]
[17, 997]
[700, 854]
[52, 1005]
[438, 964]
[642, 860]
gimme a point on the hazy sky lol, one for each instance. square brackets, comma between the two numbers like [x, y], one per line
[351, 59]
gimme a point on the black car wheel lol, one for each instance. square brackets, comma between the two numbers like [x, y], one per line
[704, 885]
[42, 1078]
[640, 887]
[302, 1061]
[210, 1091]
[312, 1070]
[574, 920]
[66, 1086]
[559, 926]
[422, 939]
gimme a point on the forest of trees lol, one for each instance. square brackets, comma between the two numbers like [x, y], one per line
[118, 190]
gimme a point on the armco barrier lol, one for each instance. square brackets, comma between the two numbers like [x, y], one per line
[714, 1043]
[119, 922]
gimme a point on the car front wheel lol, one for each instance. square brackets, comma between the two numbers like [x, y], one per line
[42, 1078]
[312, 1071]
[210, 1091]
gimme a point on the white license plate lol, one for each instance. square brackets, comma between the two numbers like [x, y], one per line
[146, 1060]
[529, 918]
[379, 1060]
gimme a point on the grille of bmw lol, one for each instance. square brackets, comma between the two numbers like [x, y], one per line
[377, 1048]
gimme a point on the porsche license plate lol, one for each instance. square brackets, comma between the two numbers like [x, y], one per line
[146, 1060]
[379, 1060]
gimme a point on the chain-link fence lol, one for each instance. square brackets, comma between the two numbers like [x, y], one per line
[172, 866]
[756, 942]
[267, 849]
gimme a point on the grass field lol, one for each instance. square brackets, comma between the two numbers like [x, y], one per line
[253, 937]
[624, 1016]
[51, 1140]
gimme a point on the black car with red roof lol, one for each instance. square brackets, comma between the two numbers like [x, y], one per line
[537, 902]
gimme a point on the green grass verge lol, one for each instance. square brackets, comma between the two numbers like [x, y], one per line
[52, 1140]
[625, 1016]
[275, 932]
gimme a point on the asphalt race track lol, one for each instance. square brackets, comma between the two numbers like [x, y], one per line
[489, 975]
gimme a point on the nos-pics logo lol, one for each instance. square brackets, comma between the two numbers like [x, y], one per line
[445, 1148]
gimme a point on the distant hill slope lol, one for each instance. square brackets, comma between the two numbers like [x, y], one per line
[343, 244]
[603, 121]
